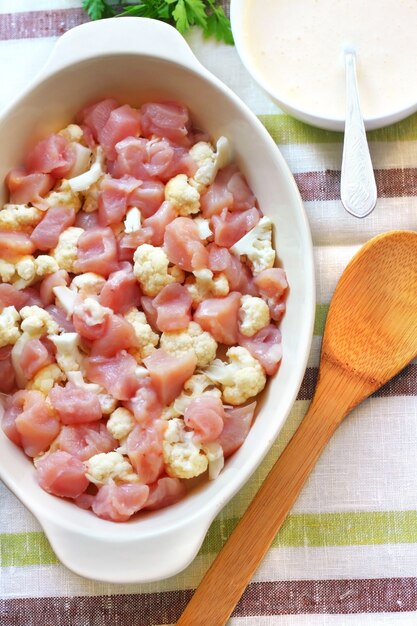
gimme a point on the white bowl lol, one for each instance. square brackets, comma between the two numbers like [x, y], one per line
[135, 60]
[305, 114]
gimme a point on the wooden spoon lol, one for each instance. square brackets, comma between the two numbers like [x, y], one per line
[370, 335]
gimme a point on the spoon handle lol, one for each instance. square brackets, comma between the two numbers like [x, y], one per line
[233, 568]
[358, 188]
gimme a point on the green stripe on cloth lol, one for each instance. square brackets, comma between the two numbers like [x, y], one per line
[320, 318]
[329, 529]
[299, 530]
[284, 129]
[19, 549]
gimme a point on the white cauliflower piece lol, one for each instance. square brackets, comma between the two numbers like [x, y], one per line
[72, 132]
[88, 284]
[108, 403]
[37, 321]
[76, 378]
[45, 265]
[133, 221]
[120, 423]
[253, 315]
[201, 287]
[26, 268]
[46, 378]
[66, 252]
[183, 457]
[9, 326]
[183, 196]
[195, 387]
[152, 271]
[242, 378]
[30, 269]
[209, 161]
[63, 196]
[107, 466]
[256, 245]
[91, 197]
[87, 179]
[92, 312]
[215, 457]
[66, 298]
[147, 339]
[193, 339]
[7, 271]
[68, 355]
[19, 217]
[203, 226]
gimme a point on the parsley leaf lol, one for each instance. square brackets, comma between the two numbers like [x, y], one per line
[97, 9]
[207, 14]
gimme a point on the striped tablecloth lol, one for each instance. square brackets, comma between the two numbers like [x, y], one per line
[347, 554]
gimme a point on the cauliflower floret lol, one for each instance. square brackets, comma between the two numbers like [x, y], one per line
[256, 245]
[26, 268]
[88, 284]
[201, 287]
[133, 220]
[108, 403]
[183, 457]
[152, 271]
[120, 423]
[253, 314]
[110, 465]
[194, 339]
[63, 196]
[72, 132]
[29, 269]
[76, 378]
[68, 355]
[9, 326]
[19, 217]
[183, 196]
[195, 387]
[44, 265]
[37, 321]
[65, 254]
[7, 271]
[147, 339]
[87, 179]
[66, 298]
[242, 378]
[91, 197]
[204, 230]
[209, 162]
[46, 378]
[215, 457]
[92, 312]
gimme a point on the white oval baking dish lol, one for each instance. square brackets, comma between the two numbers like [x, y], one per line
[135, 60]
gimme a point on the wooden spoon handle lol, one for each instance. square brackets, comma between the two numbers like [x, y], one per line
[230, 573]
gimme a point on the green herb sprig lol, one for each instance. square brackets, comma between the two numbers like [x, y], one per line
[207, 14]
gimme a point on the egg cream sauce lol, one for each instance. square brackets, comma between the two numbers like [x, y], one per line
[297, 48]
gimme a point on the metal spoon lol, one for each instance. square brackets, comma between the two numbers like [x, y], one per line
[370, 335]
[357, 188]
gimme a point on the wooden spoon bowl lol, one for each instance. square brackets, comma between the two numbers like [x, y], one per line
[370, 335]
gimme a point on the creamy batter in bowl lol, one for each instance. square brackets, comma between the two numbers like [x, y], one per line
[136, 60]
[295, 50]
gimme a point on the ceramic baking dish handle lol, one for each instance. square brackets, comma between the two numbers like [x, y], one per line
[120, 35]
[124, 559]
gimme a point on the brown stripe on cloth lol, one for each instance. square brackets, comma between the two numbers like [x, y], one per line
[34, 24]
[403, 384]
[325, 185]
[377, 595]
